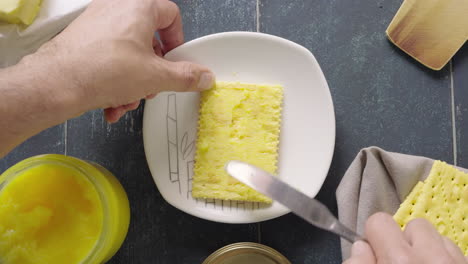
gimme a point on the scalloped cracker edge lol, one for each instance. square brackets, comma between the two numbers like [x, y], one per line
[442, 199]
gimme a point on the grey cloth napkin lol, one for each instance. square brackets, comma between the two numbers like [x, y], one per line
[376, 181]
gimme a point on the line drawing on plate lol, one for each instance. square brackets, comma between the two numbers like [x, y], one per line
[189, 178]
[172, 140]
[187, 149]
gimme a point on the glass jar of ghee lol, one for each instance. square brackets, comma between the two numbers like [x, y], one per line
[56, 209]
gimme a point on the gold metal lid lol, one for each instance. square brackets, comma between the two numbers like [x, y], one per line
[246, 253]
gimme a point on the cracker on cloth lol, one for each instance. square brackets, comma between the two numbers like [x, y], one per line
[442, 199]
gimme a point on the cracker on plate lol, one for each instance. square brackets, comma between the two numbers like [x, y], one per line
[237, 121]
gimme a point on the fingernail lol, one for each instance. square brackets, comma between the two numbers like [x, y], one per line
[358, 248]
[206, 81]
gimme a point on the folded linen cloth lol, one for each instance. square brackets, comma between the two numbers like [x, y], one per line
[377, 181]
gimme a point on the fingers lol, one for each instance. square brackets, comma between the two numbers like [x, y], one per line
[421, 234]
[418, 243]
[454, 251]
[113, 114]
[181, 77]
[426, 241]
[151, 96]
[361, 253]
[385, 236]
[157, 47]
[169, 24]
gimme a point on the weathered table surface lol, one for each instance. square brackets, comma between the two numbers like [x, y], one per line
[382, 97]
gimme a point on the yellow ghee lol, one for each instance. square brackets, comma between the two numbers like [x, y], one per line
[58, 209]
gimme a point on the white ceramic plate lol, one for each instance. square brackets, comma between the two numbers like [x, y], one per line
[307, 132]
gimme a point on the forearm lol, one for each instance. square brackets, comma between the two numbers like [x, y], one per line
[103, 59]
[35, 94]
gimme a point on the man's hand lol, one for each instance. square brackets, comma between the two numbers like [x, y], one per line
[418, 243]
[107, 58]
[113, 60]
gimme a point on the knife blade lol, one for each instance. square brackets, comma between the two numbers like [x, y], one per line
[300, 204]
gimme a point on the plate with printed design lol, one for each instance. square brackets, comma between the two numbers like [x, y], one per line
[307, 135]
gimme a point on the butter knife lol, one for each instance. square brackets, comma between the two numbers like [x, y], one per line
[302, 205]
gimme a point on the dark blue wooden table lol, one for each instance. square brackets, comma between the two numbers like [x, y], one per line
[382, 97]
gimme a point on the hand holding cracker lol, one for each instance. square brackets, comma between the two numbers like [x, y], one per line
[420, 242]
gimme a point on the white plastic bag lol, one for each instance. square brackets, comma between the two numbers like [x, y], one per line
[17, 41]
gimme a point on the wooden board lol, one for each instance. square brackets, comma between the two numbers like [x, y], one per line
[430, 31]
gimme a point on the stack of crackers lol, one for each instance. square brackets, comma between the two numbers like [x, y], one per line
[442, 199]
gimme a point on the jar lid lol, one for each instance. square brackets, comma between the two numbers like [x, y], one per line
[246, 253]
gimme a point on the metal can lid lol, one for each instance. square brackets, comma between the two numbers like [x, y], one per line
[246, 253]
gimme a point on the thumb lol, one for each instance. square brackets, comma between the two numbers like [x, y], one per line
[361, 253]
[184, 77]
